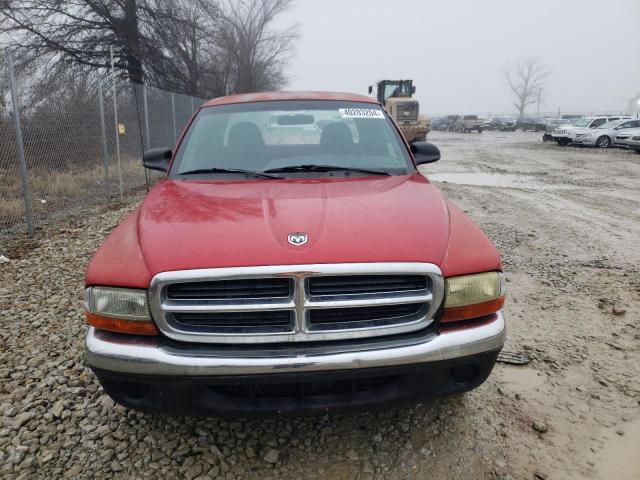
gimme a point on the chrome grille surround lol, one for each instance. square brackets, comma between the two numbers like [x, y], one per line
[300, 302]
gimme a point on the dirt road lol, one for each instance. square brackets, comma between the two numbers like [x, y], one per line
[567, 222]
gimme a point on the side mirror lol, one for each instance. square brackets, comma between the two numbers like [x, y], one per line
[425, 152]
[157, 159]
[370, 89]
[413, 90]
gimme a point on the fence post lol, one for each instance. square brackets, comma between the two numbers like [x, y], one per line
[173, 114]
[103, 140]
[115, 116]
[146, 116]
[26, 193]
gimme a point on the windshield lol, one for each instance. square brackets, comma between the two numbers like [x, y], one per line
[613, 124]
[397, 89]
[264, 136]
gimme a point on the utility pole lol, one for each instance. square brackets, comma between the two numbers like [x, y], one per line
[539, 96]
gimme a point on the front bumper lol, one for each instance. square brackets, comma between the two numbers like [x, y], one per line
[584, 141]
[561, 136]
[157, 374]
[157, 356]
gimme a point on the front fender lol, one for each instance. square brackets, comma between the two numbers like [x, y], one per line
[469, 250]
[119, 261]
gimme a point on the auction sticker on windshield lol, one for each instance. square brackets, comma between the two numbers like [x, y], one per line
[360, 113]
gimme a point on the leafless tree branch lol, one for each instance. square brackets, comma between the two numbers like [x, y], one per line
[198, 47]
[526, 79]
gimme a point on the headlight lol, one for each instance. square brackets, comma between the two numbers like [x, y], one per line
[635, 138]
[123, 310]
[473, 296]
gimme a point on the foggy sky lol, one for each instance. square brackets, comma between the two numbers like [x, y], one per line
[456, 50]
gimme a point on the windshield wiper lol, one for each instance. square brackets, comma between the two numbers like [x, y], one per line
[229, 170]
[323, 168]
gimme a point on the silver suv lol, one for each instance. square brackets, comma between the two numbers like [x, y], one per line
[564, 135]
[603, 136]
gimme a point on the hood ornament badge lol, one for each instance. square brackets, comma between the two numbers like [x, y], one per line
[297, 238]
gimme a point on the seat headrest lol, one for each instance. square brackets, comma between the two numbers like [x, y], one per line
[245, 135]
[336, 134]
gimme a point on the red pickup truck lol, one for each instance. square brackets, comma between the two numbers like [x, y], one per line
[293, 259]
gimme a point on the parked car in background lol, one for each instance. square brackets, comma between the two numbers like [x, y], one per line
[534, 124]
[552, 124]
[444, 123]
[633, 143]
[593, 122]
[469, 123]
[503, 124]
[604, 135]
[434, 122]
[628, 139]
[440, 123]
[509, 124]
[561, 134]
[490, 123]
[564, 135]
[453, 119]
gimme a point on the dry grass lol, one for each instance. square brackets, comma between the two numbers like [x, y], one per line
[55, 192]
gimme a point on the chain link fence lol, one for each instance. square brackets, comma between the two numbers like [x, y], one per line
[79, 147]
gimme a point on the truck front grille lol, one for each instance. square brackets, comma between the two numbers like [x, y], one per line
[238, 322]
[330, 318]
[301, 303]
[231, 289]
[359, 284]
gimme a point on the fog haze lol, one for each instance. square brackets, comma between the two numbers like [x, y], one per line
[456, 50]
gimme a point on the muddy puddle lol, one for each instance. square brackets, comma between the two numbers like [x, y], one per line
[620, 457]
[490, 180]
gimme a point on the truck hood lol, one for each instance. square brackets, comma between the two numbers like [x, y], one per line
[187, 224]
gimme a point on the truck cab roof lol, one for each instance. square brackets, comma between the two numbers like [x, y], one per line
[288, 95]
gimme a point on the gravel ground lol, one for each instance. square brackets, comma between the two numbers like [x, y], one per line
[567, 222]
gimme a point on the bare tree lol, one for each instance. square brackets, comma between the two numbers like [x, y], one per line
[184, 53]
[256, 51]
[526, 79]
[199, 47]
[75, 33]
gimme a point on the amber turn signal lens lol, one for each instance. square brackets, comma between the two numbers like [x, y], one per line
[473, 296]
[466, 312]
[134, 327]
